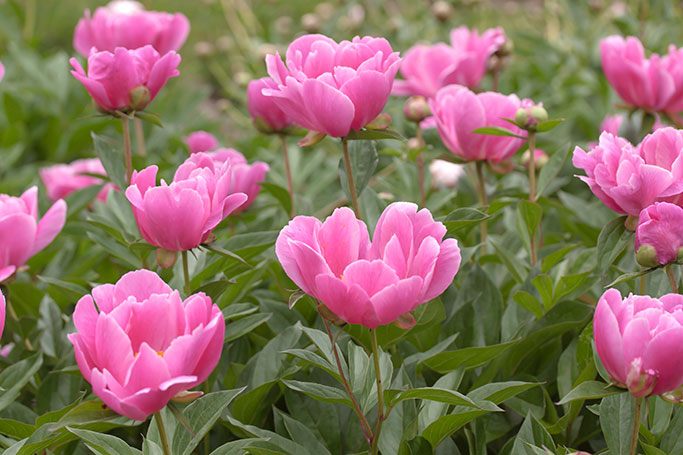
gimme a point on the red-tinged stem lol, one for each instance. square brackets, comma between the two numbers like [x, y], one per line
[421, 168]
[636, 427]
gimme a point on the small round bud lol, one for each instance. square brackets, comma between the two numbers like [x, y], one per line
[310, 22]
[203, 49]
[138, 98]
[165, 258]
[506, 48]
[416, 109]
[242, 78]
[224, 43]
[283, 25]
[442, 10]
[540, 159]
[414, 143]
[647, 256]
[539, 114]
[521, 116]
[325, 10]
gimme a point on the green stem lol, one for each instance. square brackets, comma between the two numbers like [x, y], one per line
[636, 426]
[641, 287]
[126, 144]
[186, 274]
[380, 394]
[288, 171]
[672, 279]
[162, 433]
[483, 201]
[140, 137]
[13, 315]
[349, 178]
[421, 168]
[532, 190]
[30, 21]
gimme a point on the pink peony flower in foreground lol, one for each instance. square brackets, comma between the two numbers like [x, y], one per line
[333, 88]
[127, 79]
[244, 178]
[61, 180]
[639, 339]
[427, 69]
[627, 179]
[182, 215]
[660, 233]
[200, 141]
[640, 82]
[372, 284]
[264, 111]
[125, 23]
[143, 344]
[459, 111]
[21, 234]
[2, 316]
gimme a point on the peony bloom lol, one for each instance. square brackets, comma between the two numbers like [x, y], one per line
[182, 215]
[127, 79]
[126, 24]
[427, 69]
[459, 111]
[660, 230]
[640, 82]
[333, 88]
[200, 141]
[673, 63]
[63, 179]
[639, 340]
[627, 178]
[2, 71]
[445, 173]
[265, 113]
[2, 322]
[407, 263]
[143, 344]
[21, 234]
[611, 124]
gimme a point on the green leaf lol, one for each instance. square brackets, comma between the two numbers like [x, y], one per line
[463, 219]
[514, 266]
[301, 434]
[393, 397]
[672, 439]
[224, 252]
[544, 285]
[616, 421]
[320, 392]
[202, 414]
[496, 131]
[498, 392]
[279, 193]
[84, 413]
[550, 170]
[80, 199]
[611, 242]
[530, 214]
[15, 429]
[629, 276]
[149, 117]
[15, 377]
[529, 303]
[312, 358]
[364, 159]
[111, 155]
[374, 135]
[556, 257]
[471, 357]
[548, 125]
[445, 426]
[71, 287]
[589, 390]
[241, 327]
[104, 443]
[416, 446]
[532, 433]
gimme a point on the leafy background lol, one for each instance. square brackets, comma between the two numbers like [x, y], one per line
[501, 350]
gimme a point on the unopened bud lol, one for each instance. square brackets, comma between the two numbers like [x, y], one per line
[506, 48]
[539, 114]
[414, 143]
[416, 109]
[405, 321]
[203, 49]
[310, 23]
[502, 167]
[647, 256]
[675, 396]
[640, 382]
[442, 10]
[187, 396]
[540, 158]
[165, 258]
[521, 116]
[138, 98]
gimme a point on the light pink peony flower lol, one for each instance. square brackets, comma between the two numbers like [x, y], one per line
[640, 82]
[638, 338]
[244, 178]
[263, 109]
[333, 88]
[427, 69]
[143, 344]
[200, 141]
[182, 215]
[63, 179]
[2, 71]
[127, 24]
[407, 263]
[611, 124]
[627, 179]
[128, 79]
[673, 63]
[459, 111]
[445, 173]
[21, 234]
[661, 227]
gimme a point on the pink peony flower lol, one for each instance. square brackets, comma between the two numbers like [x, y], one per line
[637, 338]
[673, 63]
[445, 173]
[660, 227]
[627, 179]
[2, 71]
[611, 124]
[61, 180]
[200, 141]
[21, 234]
[2, 322]
[427, 69]
[126, 24]
[128, 79]
[640, 82]
[407, 263]
[143, 344]
[333, 88]
[459, 111]
[263, 109]
[200, 188]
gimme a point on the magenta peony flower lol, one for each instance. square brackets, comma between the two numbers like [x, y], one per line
[637, 339]
[125, 23]
[2, 71]
[143, 344]
[200, 141]
[263, 109]
[660, 229]
[333, 88]
[372, 284]
[627, 178]
[61, 180]
[611, 124]
[459, 111]
[200, 187]
[128, 79]
[21, 234]
[3, 306]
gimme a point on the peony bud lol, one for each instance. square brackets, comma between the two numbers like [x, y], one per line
[416, 109]
[540, 158]
[442, 10]
[165, 258]
[521, 116]
[539, 113]
[187, 396]
[310, 23]
[138, 98]
[647, 256]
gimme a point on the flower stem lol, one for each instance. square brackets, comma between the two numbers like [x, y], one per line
[636, 426]
[349, 178]
[140, 137]
[288, 171]
[532, 191]
[162, 433]
[641, 287]
[126, 144]
[380, 394]
[672, 279]
[481, 192]
[364, 424]
[421, 167]
[186, 274]
[13, 315]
